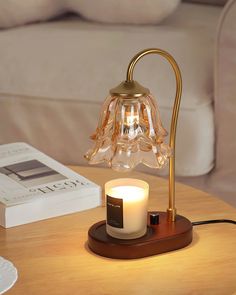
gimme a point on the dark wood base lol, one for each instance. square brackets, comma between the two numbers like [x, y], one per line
[161, 238]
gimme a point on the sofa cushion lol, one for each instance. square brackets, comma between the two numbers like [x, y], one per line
[15, 12]
[124, 11]
[53, 82]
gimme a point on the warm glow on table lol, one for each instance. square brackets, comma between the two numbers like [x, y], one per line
[52, 257]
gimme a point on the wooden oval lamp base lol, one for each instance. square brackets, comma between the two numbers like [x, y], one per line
[161, 238]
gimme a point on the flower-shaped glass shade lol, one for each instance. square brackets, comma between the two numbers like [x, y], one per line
[129, 132]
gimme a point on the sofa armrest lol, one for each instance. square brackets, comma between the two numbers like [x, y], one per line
[225, 92]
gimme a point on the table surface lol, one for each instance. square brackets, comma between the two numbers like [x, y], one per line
[52, 256]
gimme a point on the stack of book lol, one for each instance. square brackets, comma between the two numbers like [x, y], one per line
[33, 187]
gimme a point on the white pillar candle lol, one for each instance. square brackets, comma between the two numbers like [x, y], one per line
[126, 201]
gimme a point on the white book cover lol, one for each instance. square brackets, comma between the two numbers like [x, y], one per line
[33, 187]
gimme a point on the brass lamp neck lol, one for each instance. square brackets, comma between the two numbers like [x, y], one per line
[129, 79]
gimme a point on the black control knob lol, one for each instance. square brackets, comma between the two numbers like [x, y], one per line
[154, 218]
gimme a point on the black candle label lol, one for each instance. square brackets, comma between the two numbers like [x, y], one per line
[115, 212]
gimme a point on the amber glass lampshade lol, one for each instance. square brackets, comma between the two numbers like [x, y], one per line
[129, 132]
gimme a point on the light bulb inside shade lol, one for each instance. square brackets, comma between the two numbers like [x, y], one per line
[130, 113]
[130, 132]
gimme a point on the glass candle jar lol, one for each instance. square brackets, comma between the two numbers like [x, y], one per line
[126, 204]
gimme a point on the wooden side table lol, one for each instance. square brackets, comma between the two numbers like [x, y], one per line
[52, 256]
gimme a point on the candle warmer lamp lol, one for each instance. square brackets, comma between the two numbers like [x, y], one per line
[130, 132]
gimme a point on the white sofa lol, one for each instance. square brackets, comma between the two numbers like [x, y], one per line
[54, 77]
[222, 179]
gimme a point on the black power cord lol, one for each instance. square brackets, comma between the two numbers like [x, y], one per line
[213, 221]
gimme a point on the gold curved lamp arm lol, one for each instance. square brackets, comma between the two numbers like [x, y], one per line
[171, 209]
